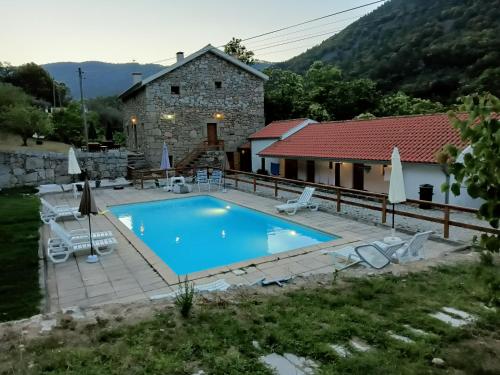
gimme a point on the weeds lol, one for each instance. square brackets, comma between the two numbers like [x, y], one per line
[184, 300]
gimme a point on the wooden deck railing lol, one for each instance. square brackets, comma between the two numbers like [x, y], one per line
[371, 200]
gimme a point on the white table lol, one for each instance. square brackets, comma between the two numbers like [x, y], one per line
[392, 240]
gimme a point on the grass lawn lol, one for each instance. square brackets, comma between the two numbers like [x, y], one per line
[19, 223]
[11, 142]
[218, 336]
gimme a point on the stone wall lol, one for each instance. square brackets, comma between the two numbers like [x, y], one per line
[240, 99]
[37, 168]
[214, 159]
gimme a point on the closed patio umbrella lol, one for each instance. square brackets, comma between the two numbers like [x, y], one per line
[165, 162]
[396, 185]
[73, 167]
[87, 207]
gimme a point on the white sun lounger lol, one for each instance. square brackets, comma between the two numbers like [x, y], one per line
[50, 212]
[66, 243]
[218, 285]
[368, 255]
[406, 251]
[304, 201]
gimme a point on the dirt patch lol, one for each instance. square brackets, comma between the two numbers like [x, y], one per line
[476, 356]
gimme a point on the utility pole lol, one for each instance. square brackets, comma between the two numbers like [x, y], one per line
[84, 116]
[53, 94]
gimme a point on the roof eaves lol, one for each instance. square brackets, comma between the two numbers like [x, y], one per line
[135, 87]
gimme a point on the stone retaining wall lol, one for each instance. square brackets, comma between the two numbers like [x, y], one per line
[36, 168]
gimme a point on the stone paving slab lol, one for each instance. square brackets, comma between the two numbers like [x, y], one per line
[126, 276]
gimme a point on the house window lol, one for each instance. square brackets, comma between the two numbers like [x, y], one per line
[175, 90]
[330, 165]
[263, 163]
[218, 84]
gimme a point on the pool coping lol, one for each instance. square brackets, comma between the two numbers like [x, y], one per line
[172, 278]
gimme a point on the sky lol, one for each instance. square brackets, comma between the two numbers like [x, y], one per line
[45, 31]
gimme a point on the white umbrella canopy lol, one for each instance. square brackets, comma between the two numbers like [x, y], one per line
[73, 167]
[396, 184]
[165, 162]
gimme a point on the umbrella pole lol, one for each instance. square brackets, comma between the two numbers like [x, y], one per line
[90, 238]
[393, 232]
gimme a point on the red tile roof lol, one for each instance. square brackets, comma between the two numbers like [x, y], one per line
[277, 128]
[418, 138]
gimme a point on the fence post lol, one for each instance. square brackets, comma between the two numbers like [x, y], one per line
[338, 200]
[384, 210]
[254, 184]
[236, 180]
[446, 231]
[275, 188]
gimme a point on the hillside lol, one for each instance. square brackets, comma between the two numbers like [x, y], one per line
[435, 49]
[101, 79]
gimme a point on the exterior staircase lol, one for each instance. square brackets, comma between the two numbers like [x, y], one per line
[136, 162]
[195, 156]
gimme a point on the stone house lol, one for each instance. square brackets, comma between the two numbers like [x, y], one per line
[205, 103]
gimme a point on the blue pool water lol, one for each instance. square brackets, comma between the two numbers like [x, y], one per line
[199, 233]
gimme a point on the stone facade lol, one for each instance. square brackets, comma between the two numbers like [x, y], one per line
[240, 98]
[37, 168]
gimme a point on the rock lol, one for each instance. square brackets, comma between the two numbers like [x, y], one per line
[47, 325]
[438, 362]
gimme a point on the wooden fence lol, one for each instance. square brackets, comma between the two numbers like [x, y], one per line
[372, 201]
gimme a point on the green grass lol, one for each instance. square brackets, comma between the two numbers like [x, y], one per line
[12, 142]
[218, 336]
[19, 223]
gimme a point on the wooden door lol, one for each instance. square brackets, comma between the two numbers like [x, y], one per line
[358, 174]
[291, 169]
[212, 134]
[337, 174]
[310, 171]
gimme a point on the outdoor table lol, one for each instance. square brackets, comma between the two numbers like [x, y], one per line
[392, 240]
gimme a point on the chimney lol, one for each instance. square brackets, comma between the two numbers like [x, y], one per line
[180, 56]
[136, 78]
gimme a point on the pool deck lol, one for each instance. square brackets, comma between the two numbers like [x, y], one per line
[134, 273]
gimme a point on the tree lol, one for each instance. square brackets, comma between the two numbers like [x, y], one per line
[68, 124]
[35, 81]
[284, 95]
[238, 50]
[480, 170]
[400, 104]
[25, 121]
[11, 96]
[109, 114]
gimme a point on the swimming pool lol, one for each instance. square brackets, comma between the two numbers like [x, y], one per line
[199, 233]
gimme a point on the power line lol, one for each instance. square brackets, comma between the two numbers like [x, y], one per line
[308, 28]
[291, 26]
[304, 37]
[293, 41]
[312, 20]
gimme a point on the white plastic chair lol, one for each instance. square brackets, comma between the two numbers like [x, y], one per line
[216, 178]
[304, 201]
[202, 179]
[65, 243]
[50, 212]
[406, 251]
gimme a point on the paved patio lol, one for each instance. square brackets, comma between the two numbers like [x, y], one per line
[126, 276]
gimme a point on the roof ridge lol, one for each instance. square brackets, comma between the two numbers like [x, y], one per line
[385, 118]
